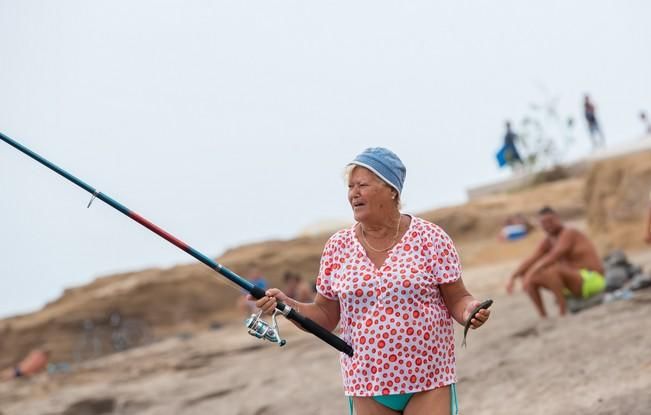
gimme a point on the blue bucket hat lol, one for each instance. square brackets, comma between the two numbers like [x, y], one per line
[385, 164]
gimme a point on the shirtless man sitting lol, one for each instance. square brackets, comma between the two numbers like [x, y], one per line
[565, 262]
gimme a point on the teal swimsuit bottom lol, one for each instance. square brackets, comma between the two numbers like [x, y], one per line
[399, 402]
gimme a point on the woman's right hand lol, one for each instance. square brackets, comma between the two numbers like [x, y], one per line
[268, 303]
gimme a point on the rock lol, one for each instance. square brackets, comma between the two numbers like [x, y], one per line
[91, 407]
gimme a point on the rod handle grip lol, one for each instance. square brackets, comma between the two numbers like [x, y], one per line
[309, 325]
[320, 332]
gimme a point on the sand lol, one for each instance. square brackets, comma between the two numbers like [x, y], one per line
[594, 362]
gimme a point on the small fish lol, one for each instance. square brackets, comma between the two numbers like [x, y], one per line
[466, 327]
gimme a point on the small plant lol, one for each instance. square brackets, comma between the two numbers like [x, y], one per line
[544, 136]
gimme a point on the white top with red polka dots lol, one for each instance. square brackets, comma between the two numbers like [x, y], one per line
[394, 317]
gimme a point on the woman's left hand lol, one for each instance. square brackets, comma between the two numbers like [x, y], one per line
[479, 318]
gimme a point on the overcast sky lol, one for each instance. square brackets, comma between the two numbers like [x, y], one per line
[227, 122]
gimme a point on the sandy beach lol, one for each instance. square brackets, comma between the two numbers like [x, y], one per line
[593, 362]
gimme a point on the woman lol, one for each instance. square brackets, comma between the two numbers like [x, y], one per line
[392, 282]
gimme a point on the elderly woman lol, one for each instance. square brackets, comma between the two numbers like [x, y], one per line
[393, 283]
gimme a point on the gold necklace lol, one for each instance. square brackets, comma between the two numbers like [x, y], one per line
[395, 238]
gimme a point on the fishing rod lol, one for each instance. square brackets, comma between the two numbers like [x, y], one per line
[257, 327]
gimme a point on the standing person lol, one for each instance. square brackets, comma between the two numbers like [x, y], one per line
[511, 155]
[645, 121]
[296, 288]
[647, 231]
[565, 263]
[593, 125]
[245, 304]
[393, 284]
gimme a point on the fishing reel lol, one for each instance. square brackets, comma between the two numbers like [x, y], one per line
[263, 330]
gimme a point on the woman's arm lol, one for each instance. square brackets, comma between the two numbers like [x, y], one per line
[460, 303]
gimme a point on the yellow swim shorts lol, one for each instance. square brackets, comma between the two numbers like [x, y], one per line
[593, 283]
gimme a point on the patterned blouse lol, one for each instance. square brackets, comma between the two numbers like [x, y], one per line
[393, 316]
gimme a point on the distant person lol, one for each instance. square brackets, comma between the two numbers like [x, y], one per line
[647, 233]
[509, 154]
[596, 135]
[565, 263]
[244, 305]
[36, 361]
[515, 227]
[646, 122]
[297, 288]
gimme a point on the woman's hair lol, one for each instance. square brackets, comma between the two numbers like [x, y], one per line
[349, 170]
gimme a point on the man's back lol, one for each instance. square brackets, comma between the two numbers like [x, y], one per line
[580, 252]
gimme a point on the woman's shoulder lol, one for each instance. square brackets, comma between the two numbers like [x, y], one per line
[427, 228]
[341, 237]
[342, 233]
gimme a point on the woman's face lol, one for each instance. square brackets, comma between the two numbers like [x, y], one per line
[369, 196]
